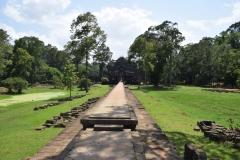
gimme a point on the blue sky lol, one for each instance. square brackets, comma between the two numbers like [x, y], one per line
[122, 20]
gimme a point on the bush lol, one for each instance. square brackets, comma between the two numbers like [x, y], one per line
[105, 80]
[16, 83]
[82, 83]
[57, 82]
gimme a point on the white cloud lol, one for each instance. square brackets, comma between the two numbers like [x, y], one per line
[16, 35]
[190, 37]
[233, 18]
[34, 10]
[123, 26]
[45, 13]
[202, 24]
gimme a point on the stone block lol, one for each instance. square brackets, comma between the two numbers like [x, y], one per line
[52, 121]
[40, 128]
[189, 149]
[199, 154]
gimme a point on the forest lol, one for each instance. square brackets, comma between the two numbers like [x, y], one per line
[213, 61]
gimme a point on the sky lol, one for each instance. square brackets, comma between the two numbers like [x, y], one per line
[121, 20]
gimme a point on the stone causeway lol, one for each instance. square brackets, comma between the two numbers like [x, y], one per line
[140, 138]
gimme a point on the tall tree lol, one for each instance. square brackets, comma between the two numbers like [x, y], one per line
[86, 36]
[142, 53]
[5, 52]
[54, 58]
[69, 76]
[168, 39]
[34, 47]
[102, 56]
[22, 62]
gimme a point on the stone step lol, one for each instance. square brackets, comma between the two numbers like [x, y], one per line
[108, 127]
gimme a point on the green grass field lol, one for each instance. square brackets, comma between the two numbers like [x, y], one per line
[177, 110]
[18, 122]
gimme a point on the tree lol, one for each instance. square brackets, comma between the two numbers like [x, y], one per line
[54, 58]
[22, 62]
[102, 56]
[34, 47]
[5, 52]
[15, 83]
[82, 83]
[141, 53]
[69, 76]
[86, 36]
[169, 39]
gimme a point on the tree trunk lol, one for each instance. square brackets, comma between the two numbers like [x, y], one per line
[86, 72]
[170, 71]
[145, 77]
[101, 70]
[139, 79]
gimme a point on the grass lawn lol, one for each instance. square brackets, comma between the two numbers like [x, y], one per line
[177, 110]
[18, 122]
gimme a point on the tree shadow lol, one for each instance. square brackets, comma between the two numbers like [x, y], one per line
[147, 89]
[179, 139]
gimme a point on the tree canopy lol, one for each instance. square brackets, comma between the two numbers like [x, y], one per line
[86, 37]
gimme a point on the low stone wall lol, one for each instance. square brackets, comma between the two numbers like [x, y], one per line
[60, 101]
[66, 117]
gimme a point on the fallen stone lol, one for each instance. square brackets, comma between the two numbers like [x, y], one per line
[189, 149]
[40, 128]
[48, 124]
[199, 154]
[52, 121]
[196, 128]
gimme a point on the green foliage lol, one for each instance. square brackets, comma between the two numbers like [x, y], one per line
[105, 80]
[93, 71]
[142, 53]
[48, 73]
[55, 58]
[86, 37]
[57, 81]
[22, 62]
[15, 83]
[82, 83]
[102, 56]
[5, 52]
[69, 76]
[167, 39]
[34, 47]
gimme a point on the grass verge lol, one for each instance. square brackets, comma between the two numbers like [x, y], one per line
[177, 110]
[18, 122]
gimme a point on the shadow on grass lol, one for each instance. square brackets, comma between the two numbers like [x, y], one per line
[224, 148]
[147, 89]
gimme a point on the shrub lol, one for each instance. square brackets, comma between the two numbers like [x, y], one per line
[82, 83]
[57, 82]
[16, 83]
[105, 80]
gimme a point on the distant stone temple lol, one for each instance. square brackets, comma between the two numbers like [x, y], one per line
[120, 70]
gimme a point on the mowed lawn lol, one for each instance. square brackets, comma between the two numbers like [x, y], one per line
[177, 110]
[18, 138]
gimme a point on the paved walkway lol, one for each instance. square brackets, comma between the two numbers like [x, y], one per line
[146, 142]
[114, 105]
